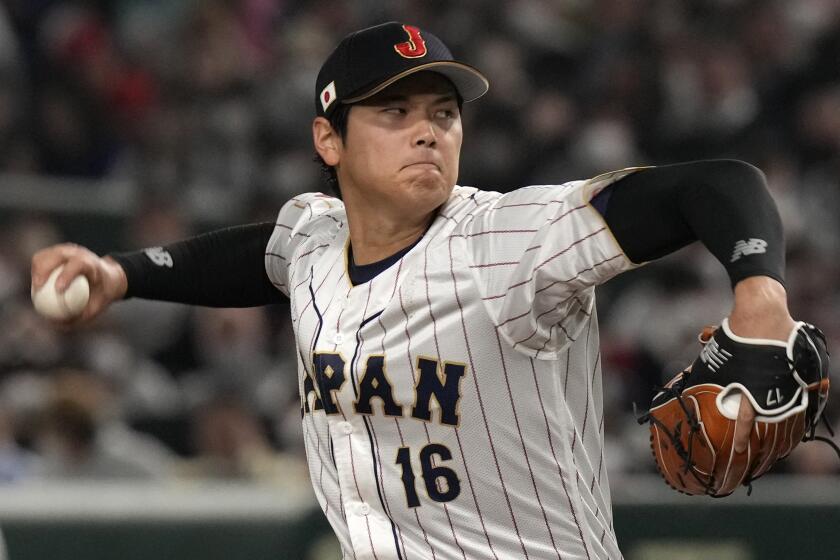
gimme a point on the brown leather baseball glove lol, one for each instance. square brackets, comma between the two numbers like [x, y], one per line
[693, 418]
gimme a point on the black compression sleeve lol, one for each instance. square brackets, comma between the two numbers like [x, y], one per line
[724, 204]
[224, 268]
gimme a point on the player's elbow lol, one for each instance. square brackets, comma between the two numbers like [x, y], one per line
[737, 177]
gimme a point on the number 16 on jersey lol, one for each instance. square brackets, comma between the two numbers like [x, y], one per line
[442, 483]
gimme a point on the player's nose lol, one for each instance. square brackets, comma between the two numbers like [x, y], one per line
[424, 135]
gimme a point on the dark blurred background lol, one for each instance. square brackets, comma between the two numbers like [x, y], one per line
[132, 123]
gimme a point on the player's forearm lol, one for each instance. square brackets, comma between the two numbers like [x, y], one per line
[724, 204]
[224, 268]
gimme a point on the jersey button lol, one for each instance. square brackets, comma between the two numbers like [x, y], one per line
[338, 339]
[364, 509]
[345, 428]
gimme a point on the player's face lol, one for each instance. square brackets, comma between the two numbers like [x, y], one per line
[402, 146]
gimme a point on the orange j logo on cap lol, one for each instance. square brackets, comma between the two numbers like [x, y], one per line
[415, 47]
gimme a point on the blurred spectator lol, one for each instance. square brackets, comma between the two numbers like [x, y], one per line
[230, 442]
[28, 341]
[16, 463]
[814, 458]
[79, 438]
[15, 145]
[19, 240]
[233, 344]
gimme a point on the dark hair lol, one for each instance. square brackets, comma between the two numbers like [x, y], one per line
[338, 121]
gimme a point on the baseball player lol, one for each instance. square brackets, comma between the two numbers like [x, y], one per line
[447, 341]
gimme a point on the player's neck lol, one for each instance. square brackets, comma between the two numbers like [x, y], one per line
[376, 237]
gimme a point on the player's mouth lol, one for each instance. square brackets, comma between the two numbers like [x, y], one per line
[423, 165]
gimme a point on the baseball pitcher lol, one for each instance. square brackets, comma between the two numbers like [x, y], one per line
[447, 339]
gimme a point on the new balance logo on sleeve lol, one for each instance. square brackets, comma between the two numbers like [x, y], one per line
[752, 246]
[159, 256]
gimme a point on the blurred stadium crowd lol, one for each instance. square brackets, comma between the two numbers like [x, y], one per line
[203, 107]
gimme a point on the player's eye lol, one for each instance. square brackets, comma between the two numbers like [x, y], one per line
[394, 110]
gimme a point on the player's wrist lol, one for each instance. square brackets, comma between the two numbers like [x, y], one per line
[116, 285]
[760, 309]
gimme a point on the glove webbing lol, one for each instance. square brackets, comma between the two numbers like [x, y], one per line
[675, 391]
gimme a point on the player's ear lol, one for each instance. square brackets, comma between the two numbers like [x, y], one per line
[327, 141]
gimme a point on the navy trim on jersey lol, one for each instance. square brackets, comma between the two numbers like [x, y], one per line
[304, 360]
[315, 369]
[353, 377]
[374, 453]
[601, 200]
[361, 273]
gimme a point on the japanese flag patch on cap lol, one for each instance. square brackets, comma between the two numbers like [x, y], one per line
[327, 96]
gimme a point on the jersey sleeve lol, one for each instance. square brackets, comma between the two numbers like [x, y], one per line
[301, 219]
[537, 253]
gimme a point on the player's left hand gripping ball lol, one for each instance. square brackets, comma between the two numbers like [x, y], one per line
[693, 419]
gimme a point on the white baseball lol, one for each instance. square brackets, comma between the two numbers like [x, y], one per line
[49, 303]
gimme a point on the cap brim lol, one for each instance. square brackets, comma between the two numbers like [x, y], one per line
[470, 83]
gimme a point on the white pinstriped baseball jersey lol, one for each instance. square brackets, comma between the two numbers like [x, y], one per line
[452, 406]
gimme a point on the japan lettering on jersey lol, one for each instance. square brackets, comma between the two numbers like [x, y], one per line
[452, 406]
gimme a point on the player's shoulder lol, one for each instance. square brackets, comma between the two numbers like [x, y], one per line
[525, 207]
[310, 212]
[466, 204]
[314, 203]
[577, 191]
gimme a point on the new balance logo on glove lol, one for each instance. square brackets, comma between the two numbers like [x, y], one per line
[713, 355]
[752, 246]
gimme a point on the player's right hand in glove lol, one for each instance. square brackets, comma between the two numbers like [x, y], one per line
[693, 419]
[107, 278]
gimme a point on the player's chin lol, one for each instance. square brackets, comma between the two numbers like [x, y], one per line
[429, 191]
[431, 179]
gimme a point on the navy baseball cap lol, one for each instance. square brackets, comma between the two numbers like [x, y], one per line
[367, 61]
